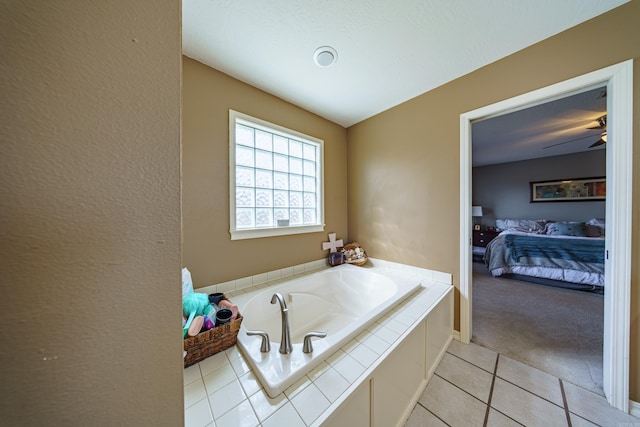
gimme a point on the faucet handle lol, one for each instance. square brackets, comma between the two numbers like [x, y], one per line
[307, 347]
[265, 347]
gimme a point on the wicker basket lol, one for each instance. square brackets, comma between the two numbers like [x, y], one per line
[210, 342]
[358, 261]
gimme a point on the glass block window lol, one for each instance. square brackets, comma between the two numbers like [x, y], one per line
[276, 179]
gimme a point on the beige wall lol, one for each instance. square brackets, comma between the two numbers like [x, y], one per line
[90, 213]
[208, 251]
[404, 163]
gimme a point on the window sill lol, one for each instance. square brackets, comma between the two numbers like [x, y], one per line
[276, 231]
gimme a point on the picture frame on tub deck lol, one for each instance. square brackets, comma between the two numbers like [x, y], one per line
[569, 190]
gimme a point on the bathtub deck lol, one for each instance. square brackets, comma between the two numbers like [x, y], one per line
[223, 388]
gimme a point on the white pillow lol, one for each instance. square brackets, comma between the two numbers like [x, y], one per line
[524, 225]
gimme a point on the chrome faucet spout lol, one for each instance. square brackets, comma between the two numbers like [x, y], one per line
[285, 342]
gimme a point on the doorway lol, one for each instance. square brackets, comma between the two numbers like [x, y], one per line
[618, 79]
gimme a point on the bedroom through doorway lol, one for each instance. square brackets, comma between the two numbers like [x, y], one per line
[618, 79]
[557, 140]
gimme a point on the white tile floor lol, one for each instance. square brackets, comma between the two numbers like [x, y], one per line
[474, 386]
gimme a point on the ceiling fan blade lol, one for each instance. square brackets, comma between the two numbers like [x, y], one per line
[599, 142]
[566, 142]
[602, 123]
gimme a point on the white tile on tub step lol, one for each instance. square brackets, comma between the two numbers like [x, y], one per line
[376, 344]
[404, 318]
[284, 417]
[233, 352]
[191, 374]
[363, 355]
[264, 406]
[249, 383]
[194, 392]
[318, 370]
[226, 398]
[396, 326]
[310, 403]
[198, 415]
[387, 334]
[335, 357]
[297, 387]
[240, 366]
[239, 416]
[332, 384]
[349, 368]
[214, 362]
[217, 379]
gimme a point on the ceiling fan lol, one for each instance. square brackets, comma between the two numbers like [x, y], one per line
[602, 125]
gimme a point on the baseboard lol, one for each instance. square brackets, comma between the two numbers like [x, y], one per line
[634, 408]
[456, 335]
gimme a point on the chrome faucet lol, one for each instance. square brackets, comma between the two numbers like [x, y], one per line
[307, 347]
[285, 341]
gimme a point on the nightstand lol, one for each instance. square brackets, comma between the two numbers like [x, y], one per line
[480, 241]
[483, 237]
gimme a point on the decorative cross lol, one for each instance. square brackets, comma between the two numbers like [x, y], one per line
[332, 244]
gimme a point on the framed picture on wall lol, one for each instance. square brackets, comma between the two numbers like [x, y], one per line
[569, 190]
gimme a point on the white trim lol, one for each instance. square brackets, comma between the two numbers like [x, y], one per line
[456, 335]
[634, 408]
[466, 293]
[619, 80]
[617, 294]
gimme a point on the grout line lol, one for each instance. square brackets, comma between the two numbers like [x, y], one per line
[425, 408]
[471, 363]
[458, 387]
[564, 401]
[530, 392]
[493, 381]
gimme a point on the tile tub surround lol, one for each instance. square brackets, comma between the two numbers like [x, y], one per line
[342, 301]
[222, 390]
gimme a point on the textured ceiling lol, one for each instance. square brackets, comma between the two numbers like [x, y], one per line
[388, 51]
[551, 129]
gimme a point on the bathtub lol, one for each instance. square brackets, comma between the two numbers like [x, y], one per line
[341, 301]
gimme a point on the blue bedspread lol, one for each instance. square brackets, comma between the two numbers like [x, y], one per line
[565, 259]
[580, 250]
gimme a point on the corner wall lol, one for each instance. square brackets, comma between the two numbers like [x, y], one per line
[90, 214]
[404, 169]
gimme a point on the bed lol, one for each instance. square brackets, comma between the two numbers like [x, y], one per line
[561, 254]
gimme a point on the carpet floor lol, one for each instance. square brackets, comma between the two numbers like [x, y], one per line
[559, 331]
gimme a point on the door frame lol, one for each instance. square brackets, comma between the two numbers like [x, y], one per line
[617, 299]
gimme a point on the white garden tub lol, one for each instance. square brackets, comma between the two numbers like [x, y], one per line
[341, 301]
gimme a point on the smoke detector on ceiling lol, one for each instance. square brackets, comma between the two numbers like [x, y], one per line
[325, 56]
